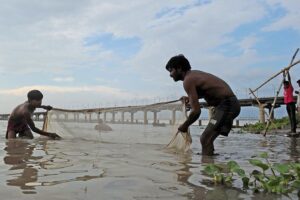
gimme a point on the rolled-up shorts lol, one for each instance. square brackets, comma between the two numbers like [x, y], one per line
[19, 128]
[223, 115]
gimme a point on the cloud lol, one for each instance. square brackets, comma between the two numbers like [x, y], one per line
[61, 89]
[63, 79]
[289, 20]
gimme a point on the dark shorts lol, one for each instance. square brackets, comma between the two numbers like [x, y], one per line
[17, 127]
[222, 117]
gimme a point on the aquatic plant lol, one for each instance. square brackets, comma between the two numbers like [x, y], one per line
[273, 178]
[276, 124]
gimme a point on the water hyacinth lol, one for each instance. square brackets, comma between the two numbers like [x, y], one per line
[266, 177]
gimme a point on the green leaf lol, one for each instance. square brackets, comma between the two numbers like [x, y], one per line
[239, 171]
[212, 169]
[259, 163]
[296, 184]
[274, 182]
[282, 168]
[232, 164]
[264, 155]
[258, 175]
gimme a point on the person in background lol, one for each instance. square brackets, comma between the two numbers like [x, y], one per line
[298, 98]
[216, 92]
[289, 102]
[20, 122]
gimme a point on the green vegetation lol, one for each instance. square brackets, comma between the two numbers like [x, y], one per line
[275, 124]
[271, 178]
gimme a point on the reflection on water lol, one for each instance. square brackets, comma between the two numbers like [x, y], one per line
[18, 153]
[109, 168]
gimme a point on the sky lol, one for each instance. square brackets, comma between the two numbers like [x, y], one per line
[100, 53]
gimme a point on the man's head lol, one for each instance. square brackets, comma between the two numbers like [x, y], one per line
[35, 97]
[298, 82]
[178, 66]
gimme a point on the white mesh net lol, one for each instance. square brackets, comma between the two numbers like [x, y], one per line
[131, 124]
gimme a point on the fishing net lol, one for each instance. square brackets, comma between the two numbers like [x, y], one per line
[150, 124]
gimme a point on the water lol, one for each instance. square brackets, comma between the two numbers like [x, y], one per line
[130, 165]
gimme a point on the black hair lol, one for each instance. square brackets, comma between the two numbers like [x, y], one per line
[286, 82]
[34, 95]
[178, 61]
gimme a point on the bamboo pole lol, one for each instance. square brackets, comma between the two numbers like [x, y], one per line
[272, 109]
[274, 76]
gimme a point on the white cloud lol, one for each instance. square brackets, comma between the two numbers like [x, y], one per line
[291, 17]
[63, 79]
[61, 89]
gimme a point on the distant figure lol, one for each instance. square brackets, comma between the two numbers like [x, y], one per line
[215, 91]
[289, 101]
[298, 98]
[102, 127]
[20, 121]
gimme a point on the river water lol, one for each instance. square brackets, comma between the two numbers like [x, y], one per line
[131, 165]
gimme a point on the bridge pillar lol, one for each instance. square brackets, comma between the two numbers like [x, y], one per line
[155, 117]
[173, 117]
[113, 117]
[98, 116]
[66, 117]
[104, 116]
[237, 123]
[122, 117]
[210, 112]
[200, 122]
[145, 117]
[271, 115]
[90, 117]
[262, 118]
[132, 117]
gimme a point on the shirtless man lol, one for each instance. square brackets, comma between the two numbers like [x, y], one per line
[216, 93]
[20, 121]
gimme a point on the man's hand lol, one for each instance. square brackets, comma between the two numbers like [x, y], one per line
[186, 101]
[48, 107]
[183, 128]
[54, 136]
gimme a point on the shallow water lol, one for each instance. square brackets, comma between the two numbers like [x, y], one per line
[131, 165]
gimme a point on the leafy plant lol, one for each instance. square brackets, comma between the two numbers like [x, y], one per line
[273, 178]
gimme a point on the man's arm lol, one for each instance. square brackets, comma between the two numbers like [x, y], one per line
[37, 130]
[195, 107]
[289, 77]
[45, 107]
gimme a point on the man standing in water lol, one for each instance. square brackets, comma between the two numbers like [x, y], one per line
[215, 91]
[20, 119]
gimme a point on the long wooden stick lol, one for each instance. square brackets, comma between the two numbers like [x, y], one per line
[275, 99]
[272, 77]
[272, 109]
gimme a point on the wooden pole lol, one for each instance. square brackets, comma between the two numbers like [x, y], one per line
[272, 77]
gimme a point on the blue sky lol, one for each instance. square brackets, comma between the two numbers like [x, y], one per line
[102, 53]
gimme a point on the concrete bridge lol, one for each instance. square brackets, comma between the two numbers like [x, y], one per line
[86, 115]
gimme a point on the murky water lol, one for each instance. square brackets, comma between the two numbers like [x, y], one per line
[112, 167]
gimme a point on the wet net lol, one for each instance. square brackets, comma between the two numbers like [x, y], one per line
[146, 124]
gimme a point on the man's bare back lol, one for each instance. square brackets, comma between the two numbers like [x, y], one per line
[208, 86]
